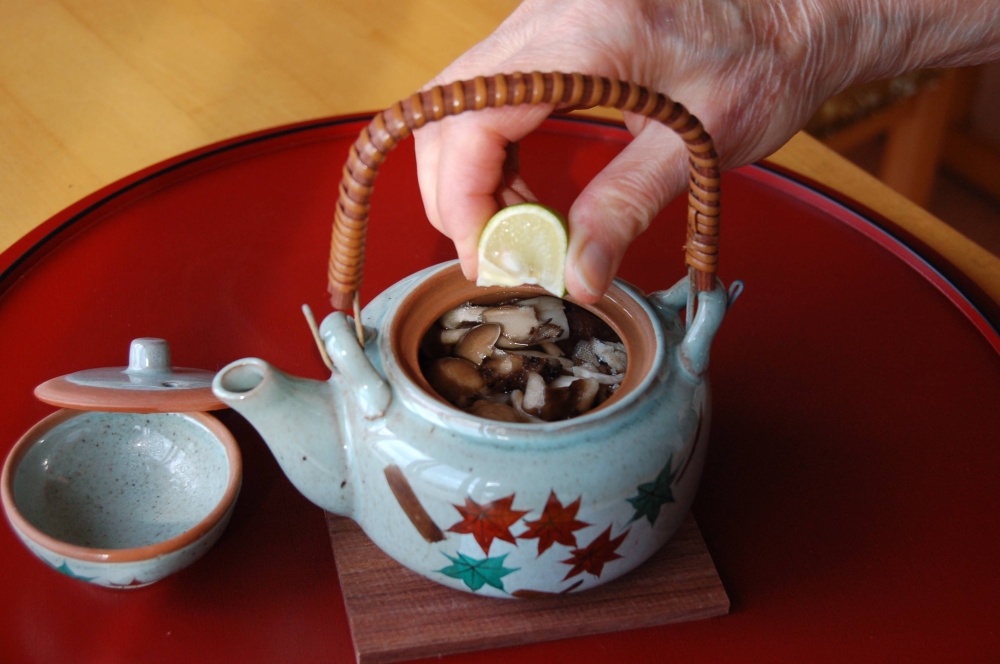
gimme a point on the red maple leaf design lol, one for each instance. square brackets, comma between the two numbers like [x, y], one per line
[556, 525]
[595, 555]
[488, 522]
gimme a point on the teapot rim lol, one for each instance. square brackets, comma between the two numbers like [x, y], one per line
[402, 367]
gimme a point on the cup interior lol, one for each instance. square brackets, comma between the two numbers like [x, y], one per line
[121, 480]
[448, 288]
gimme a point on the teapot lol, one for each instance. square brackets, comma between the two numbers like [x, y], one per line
[496, 508]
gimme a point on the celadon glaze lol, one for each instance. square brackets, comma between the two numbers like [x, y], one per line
[121, 499]
[499, 509]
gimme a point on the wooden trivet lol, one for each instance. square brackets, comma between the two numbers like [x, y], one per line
[396, 614]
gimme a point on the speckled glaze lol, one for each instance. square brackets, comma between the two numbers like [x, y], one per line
[500, 509]
[121, 499]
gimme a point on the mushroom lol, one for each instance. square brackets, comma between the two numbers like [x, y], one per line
[502, 364]
[494, 411]
[550, 310]
[582, 392]
[479, 343]
[460, 316]
[612, 354]
[508, 362]
[519, 324]
[562, 361]
[552, 349]
[584, 353]
[534, 392]
[504, 372]
[570, 393]
[457, 380]
[450, 337]
[605, 379]
[564, 381]
[517, 400]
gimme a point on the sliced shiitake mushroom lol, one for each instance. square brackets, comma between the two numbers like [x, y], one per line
[461, 316]
[603, 378]
[479, 343]
[551, 349]
[552, 311]
[492, 410]
[611, 353]
[564, 362]
[582, 393]
[452, 337]
[517, 400]
[508, 362]
[457, 380]
[534, 393]
[519, 324]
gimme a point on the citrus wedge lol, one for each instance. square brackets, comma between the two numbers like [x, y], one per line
[524, 244]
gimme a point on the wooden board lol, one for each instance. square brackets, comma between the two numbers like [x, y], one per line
[396, 614]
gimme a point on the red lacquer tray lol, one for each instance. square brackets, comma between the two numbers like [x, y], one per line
[850, 500]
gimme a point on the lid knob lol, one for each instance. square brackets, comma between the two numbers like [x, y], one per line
[149, 384]
[148, 355]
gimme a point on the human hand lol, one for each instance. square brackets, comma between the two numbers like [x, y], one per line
[734, 71]
[753, 73]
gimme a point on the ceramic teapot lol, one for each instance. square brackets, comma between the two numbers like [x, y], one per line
[499, 508]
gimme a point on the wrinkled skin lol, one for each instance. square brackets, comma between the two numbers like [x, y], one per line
[752, 71]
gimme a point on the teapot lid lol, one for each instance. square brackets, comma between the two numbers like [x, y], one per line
[149, 384]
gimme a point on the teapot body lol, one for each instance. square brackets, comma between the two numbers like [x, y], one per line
[526, 510]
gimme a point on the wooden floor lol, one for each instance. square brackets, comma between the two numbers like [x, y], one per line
[93, 90]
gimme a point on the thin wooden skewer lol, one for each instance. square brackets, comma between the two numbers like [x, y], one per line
[315, 332]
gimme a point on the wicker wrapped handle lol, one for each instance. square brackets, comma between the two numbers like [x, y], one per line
[565, 92]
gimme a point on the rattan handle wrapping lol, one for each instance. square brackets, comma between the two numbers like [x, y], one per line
[564, 91]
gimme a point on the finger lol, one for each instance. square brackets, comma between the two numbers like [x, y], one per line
[472, 151]
[513, 189]
[426, 143]
[618, 205]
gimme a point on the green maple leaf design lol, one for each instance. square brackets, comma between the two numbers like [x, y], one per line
[653, 495]
[477, 573]
[64, 568]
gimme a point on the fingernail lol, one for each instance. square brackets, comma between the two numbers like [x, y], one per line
[592, 267]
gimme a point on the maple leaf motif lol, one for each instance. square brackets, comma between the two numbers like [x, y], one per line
[593, 558]
[488, 522]
[477, 573]
[64, 568]
[134, 583]
[653, 495]
[556, 525]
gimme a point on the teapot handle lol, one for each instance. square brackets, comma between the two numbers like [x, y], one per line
[565, 92]
[712, 305]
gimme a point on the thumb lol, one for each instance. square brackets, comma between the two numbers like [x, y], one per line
[618, 205]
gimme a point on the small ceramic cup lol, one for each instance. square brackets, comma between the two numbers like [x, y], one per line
[121, 499]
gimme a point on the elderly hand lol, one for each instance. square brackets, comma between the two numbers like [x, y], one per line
[753, 73]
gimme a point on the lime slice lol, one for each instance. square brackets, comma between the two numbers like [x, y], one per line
[524, 244]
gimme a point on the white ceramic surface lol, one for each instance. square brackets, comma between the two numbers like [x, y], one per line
[121, 499]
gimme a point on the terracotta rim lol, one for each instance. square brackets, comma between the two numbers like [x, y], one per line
[64, 393]
[448, 288]
[76, 552]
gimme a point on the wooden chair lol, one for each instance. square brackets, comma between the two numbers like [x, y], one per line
[924, 117]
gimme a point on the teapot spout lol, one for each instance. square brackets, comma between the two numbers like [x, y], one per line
[299, 420]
